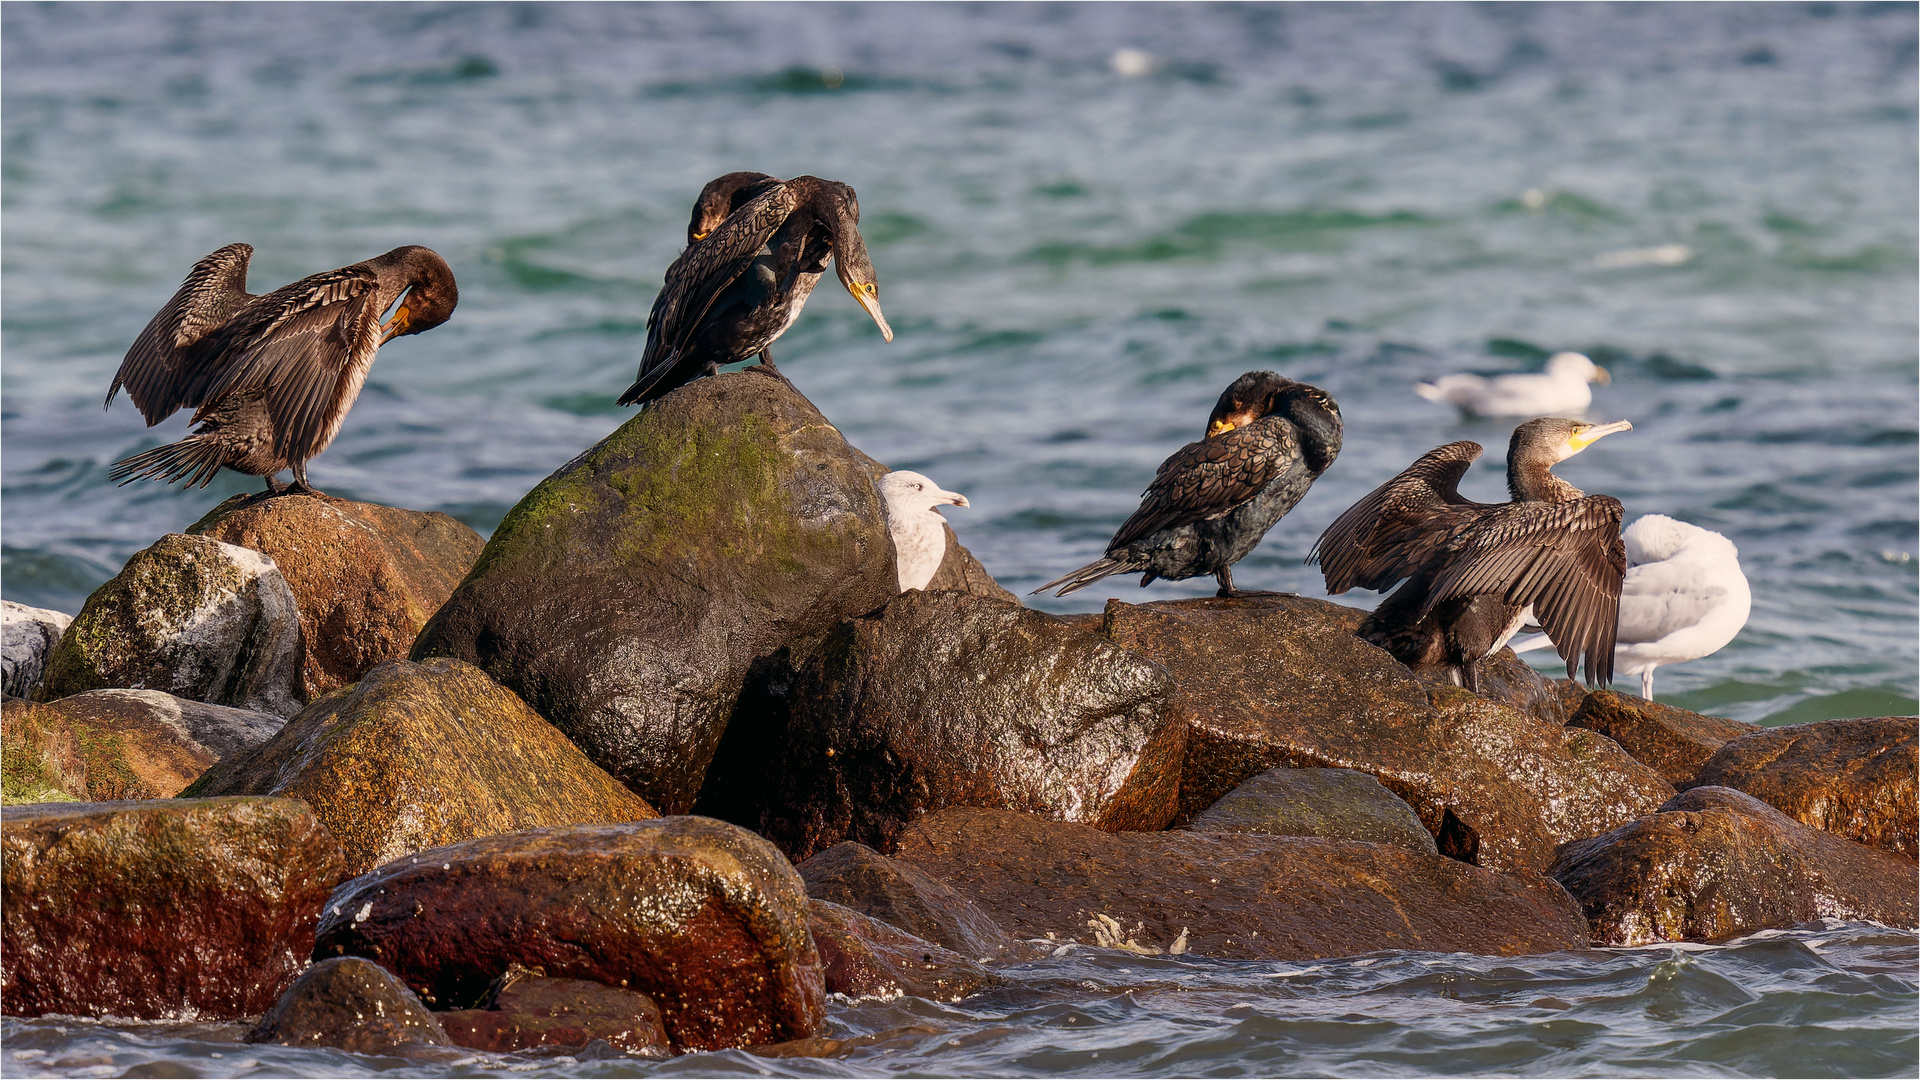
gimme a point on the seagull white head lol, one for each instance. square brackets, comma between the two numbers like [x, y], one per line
[919, 533]
[1573, 365]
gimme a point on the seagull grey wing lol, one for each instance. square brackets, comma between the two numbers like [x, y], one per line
[306, 348]
[1210, 477]
[1564, 559]
[1399, 526]
[167, 367]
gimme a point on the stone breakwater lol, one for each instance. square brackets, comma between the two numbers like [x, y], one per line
[346, 773]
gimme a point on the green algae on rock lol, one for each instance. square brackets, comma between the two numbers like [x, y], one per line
[1339, 804]
[627, 595]
[124, 744]
[420, 755]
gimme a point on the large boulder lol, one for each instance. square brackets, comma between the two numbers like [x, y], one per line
[1338, 804]
[417, 756]
[703, 917]
[1281, 681]
[194, 617]
[1854, 778]
[529, 1012]
[861, 956]
[949, 699]
[350, 1004]
[900, 894]
[1671, 741]
[366, 577]
[133, 744]
[627, 596]
[1233, 895]
[27, 637]
[1716, 863]
[191, 908]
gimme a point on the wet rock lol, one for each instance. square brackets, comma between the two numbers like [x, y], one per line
[1854, 778]
[350, 1004]
[1233, 895]
[1671, 741]
[191, 616]
[366, 577]
[133, 744]
[900, 894]
[628, 595]
[181, 908]
[1571, 694]
[1338, 804]
[39, 762]
[947, 699]
[864, 957]
[27, 636]
[959, 571]
[420, 755]
[1716, 863]
[704, 918]
[1508, 680]
[899, 1038]
[1281, 681]
[531, 1012]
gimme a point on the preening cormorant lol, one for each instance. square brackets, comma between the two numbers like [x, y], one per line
[723, 301]
[1267, 439]
[1476, 572]
[720, 198]
[271, 376]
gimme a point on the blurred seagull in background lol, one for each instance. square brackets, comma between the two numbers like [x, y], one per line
[1560, 390]
[919, 532]
[1683, 598]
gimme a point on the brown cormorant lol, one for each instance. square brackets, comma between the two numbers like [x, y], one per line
[723, 301]
[271, 376]
[1267, 439]
[1475, 572]
[720, 198]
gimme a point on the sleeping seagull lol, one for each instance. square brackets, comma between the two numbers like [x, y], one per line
[1561, 390]
[1683, 598]
[919, 532]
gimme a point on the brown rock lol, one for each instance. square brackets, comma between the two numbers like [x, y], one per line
[350, 1004]
[1854, 778]
[1337, 804]
[533, 1012]
[366, 577]
[1233, 895]
[1508, 680]
[202, 907]
[864, 957]
[901, 894]
[899, 1038]
[704, 918]
[948, 699]
[131, 744]
[419, 755]
[1671, 741]
[1572, 695]
[1282, 681]
[1715, 863]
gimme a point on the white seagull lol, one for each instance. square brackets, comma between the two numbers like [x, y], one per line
[919, 532]
[1684, 597]
[1560, 390]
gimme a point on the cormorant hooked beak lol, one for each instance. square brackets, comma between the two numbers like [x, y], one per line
[1585, 437]
[1220, 427]
[397, 325]
[867, 296]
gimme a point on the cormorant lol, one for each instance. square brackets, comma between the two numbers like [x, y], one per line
[919, 532]
[1476, 572]
[1683, 598]
[720, 198]
[271, 376]
[1209, 505]
[723, 301]
[1561, 389]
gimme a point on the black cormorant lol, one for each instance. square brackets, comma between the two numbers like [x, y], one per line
[1475, 572]
[271, 376]
[1267, 439]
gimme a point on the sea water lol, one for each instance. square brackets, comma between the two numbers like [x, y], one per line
[1086, 221]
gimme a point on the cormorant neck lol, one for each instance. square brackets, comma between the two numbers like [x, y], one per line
[1319, 425]
[1531, 479]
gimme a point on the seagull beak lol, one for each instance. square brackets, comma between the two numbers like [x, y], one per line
[1600, 376]
[1580, 440]
[956, 498]
[870, 303]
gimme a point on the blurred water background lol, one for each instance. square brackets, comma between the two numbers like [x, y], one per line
[1087, 220]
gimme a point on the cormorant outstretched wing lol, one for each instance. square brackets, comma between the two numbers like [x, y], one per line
[295, 345]
[1399, 526]
[1210, 477]
[166, 368]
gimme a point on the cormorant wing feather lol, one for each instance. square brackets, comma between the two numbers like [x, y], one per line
[166, 368]
[1565, 559]
[296, 344]
[1400, 525]
[1208, 478]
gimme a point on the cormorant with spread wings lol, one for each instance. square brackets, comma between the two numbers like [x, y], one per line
[271, 377]
[1210, 504]
[1476, 572]
[724, 301]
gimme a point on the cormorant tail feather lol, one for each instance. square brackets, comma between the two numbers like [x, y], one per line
[193, 457]
[1090, 573]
